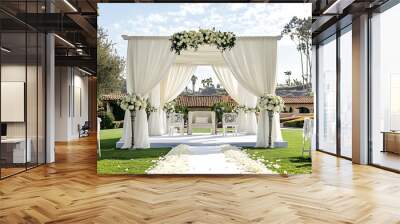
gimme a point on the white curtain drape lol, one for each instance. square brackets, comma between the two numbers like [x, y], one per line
[148, 61]
[253, 64]
[155, 127]
[250, 101]
[247, 121]
[172, 85]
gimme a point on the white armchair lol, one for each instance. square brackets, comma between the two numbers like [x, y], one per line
[201, 119]
[175, 120]
[307, 135]
[230, 120]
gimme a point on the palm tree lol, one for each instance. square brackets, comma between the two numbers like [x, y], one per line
[193, 79]
[207, 83]
[288, 74]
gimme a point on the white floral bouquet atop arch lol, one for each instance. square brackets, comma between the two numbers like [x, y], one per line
[133, 102]
[193, 39]
[271, 102]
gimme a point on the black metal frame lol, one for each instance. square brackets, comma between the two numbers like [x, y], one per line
[323, 37]
[339, 32]
[44, 78]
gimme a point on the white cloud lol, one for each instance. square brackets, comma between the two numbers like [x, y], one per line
[237, 6]
[194, 9]
[157, 18]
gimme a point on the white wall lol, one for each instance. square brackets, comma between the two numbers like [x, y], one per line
[69, 112]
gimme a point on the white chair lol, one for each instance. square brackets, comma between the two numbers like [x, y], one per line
[175, 121]
[201, 119]
[98, 137]
[230, 120]
[307, 135]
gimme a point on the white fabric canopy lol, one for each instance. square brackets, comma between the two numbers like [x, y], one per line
[170, 87]
[204, 55]
[253, 64]
[148, 60]
[247, 121]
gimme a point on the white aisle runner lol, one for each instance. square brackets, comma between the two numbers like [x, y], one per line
[202, 160]
[210, 160]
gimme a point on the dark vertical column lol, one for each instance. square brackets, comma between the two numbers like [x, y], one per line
[338, 95]
[316, 97]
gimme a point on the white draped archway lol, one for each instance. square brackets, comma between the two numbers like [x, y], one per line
[247, 71]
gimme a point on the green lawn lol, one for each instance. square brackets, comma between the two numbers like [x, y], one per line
[116, 161]
[120, 161]
[289, 159]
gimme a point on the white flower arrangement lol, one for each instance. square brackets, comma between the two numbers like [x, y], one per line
[133, 102]
[193, 39]
[251, 110]
[169, 107]
[239, 108]
[271, 102]
[242, 159]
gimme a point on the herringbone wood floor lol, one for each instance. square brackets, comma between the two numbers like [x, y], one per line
[70, 191]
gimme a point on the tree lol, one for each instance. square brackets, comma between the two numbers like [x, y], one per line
[299, 31]
[288, 74]
[193, 79]
[207, 83]
[110, 66]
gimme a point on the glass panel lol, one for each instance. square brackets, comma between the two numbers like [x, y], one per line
[31, 98]
[327, 96]
[385, 84]
[346, 94]
[41, 99]
[13, 77]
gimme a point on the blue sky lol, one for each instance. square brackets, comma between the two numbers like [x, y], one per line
[244, 19]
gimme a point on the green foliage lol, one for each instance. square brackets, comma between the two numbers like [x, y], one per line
[183, 110]
[118, 112]
[107, 120]
[110, 66]
[295, 123]
[299, 31]
[220, 108]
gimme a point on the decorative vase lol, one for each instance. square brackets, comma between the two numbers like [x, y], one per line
[133, 114]
[270, 116]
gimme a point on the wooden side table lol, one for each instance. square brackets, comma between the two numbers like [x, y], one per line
[391, 141]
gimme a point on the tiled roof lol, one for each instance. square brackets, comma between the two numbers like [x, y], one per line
[298, 99]
[112, 96]
[209, 101]
[203, 101]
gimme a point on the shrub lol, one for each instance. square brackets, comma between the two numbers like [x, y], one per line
[107, 120]
[183, 110]
[296, 123]
[221, 108]
[118, 112]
